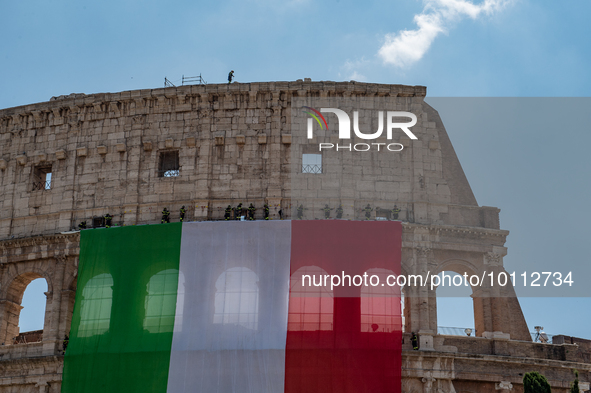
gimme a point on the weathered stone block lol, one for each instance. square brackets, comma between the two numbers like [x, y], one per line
[190, 141]
[147, 146]
[219, 140]
[82, 152]
[21, 159]
[169, 143]
[240, 139]
[262, 139]
[3, 164]
[405, 141]
[102, 150]
[60, 154]
[120, 147]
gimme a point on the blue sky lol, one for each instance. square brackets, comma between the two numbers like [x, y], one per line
[525, 48]
[490, 48]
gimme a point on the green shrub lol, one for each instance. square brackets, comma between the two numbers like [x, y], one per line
[535, 382]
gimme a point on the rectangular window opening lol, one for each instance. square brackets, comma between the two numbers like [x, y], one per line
[312, 163]
[42, 178]
[169, 164]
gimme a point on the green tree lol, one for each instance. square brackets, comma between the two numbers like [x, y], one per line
[535, 382]
[575, 385]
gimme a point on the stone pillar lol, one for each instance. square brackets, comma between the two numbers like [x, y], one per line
[51, 330]
[66, 310]
[10, 312]
[500, 325]
[49, 341]
[425, 299]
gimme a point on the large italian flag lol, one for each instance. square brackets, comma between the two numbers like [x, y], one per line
[228, 307]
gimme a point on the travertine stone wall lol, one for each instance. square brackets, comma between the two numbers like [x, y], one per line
[234, 145]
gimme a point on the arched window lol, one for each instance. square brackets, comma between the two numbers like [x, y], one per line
[237, 298]
[16, 327]
[95, 308]
[32, 317]
[161, 301]
[455, 307]
[311, 304]
[380, 303]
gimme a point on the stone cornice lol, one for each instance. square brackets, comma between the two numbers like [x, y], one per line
[40, 240]
[171, 96]
[454, 229]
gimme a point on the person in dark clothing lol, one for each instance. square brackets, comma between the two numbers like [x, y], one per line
[251, 210]
[280, 214]
[395, 212]
[367, 209]
[82, 225]
[300, 212]
[108, 219]
[415, 341]
[165, 216]
[65, 343]
[266, 211]
[230, 76]
[238, 212]
[227, 213]
[183, 211]
[326, 211]
[339, 211]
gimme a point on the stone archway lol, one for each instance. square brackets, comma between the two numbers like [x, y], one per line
[460, 267]
[10, 305]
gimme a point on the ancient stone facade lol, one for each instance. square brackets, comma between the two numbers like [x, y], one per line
[131, 154]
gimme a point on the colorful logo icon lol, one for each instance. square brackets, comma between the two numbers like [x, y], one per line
[314, 113]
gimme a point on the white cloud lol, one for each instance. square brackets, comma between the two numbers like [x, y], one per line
[356, 76]
[406, 47]
[350, 68]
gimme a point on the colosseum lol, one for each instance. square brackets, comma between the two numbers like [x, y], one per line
[77, 158]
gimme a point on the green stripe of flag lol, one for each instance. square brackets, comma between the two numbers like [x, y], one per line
[123, 318]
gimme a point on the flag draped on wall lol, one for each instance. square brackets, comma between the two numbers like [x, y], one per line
[222, 307]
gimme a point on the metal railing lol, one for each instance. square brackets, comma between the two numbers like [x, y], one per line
[168, 83]
[311, 168]
[454, 331]
[42, 185]
[171, 173]
[192, 80]
[457, 331]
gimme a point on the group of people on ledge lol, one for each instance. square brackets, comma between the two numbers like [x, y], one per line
[241, 213]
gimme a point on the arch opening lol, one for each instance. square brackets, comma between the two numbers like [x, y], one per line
[311, 307]
[380, 304]
[95, 307]
[161, 300]
[25, 306]
[455, 305]
[237, 298]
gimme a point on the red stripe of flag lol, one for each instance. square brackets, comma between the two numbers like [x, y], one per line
[341, 352]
